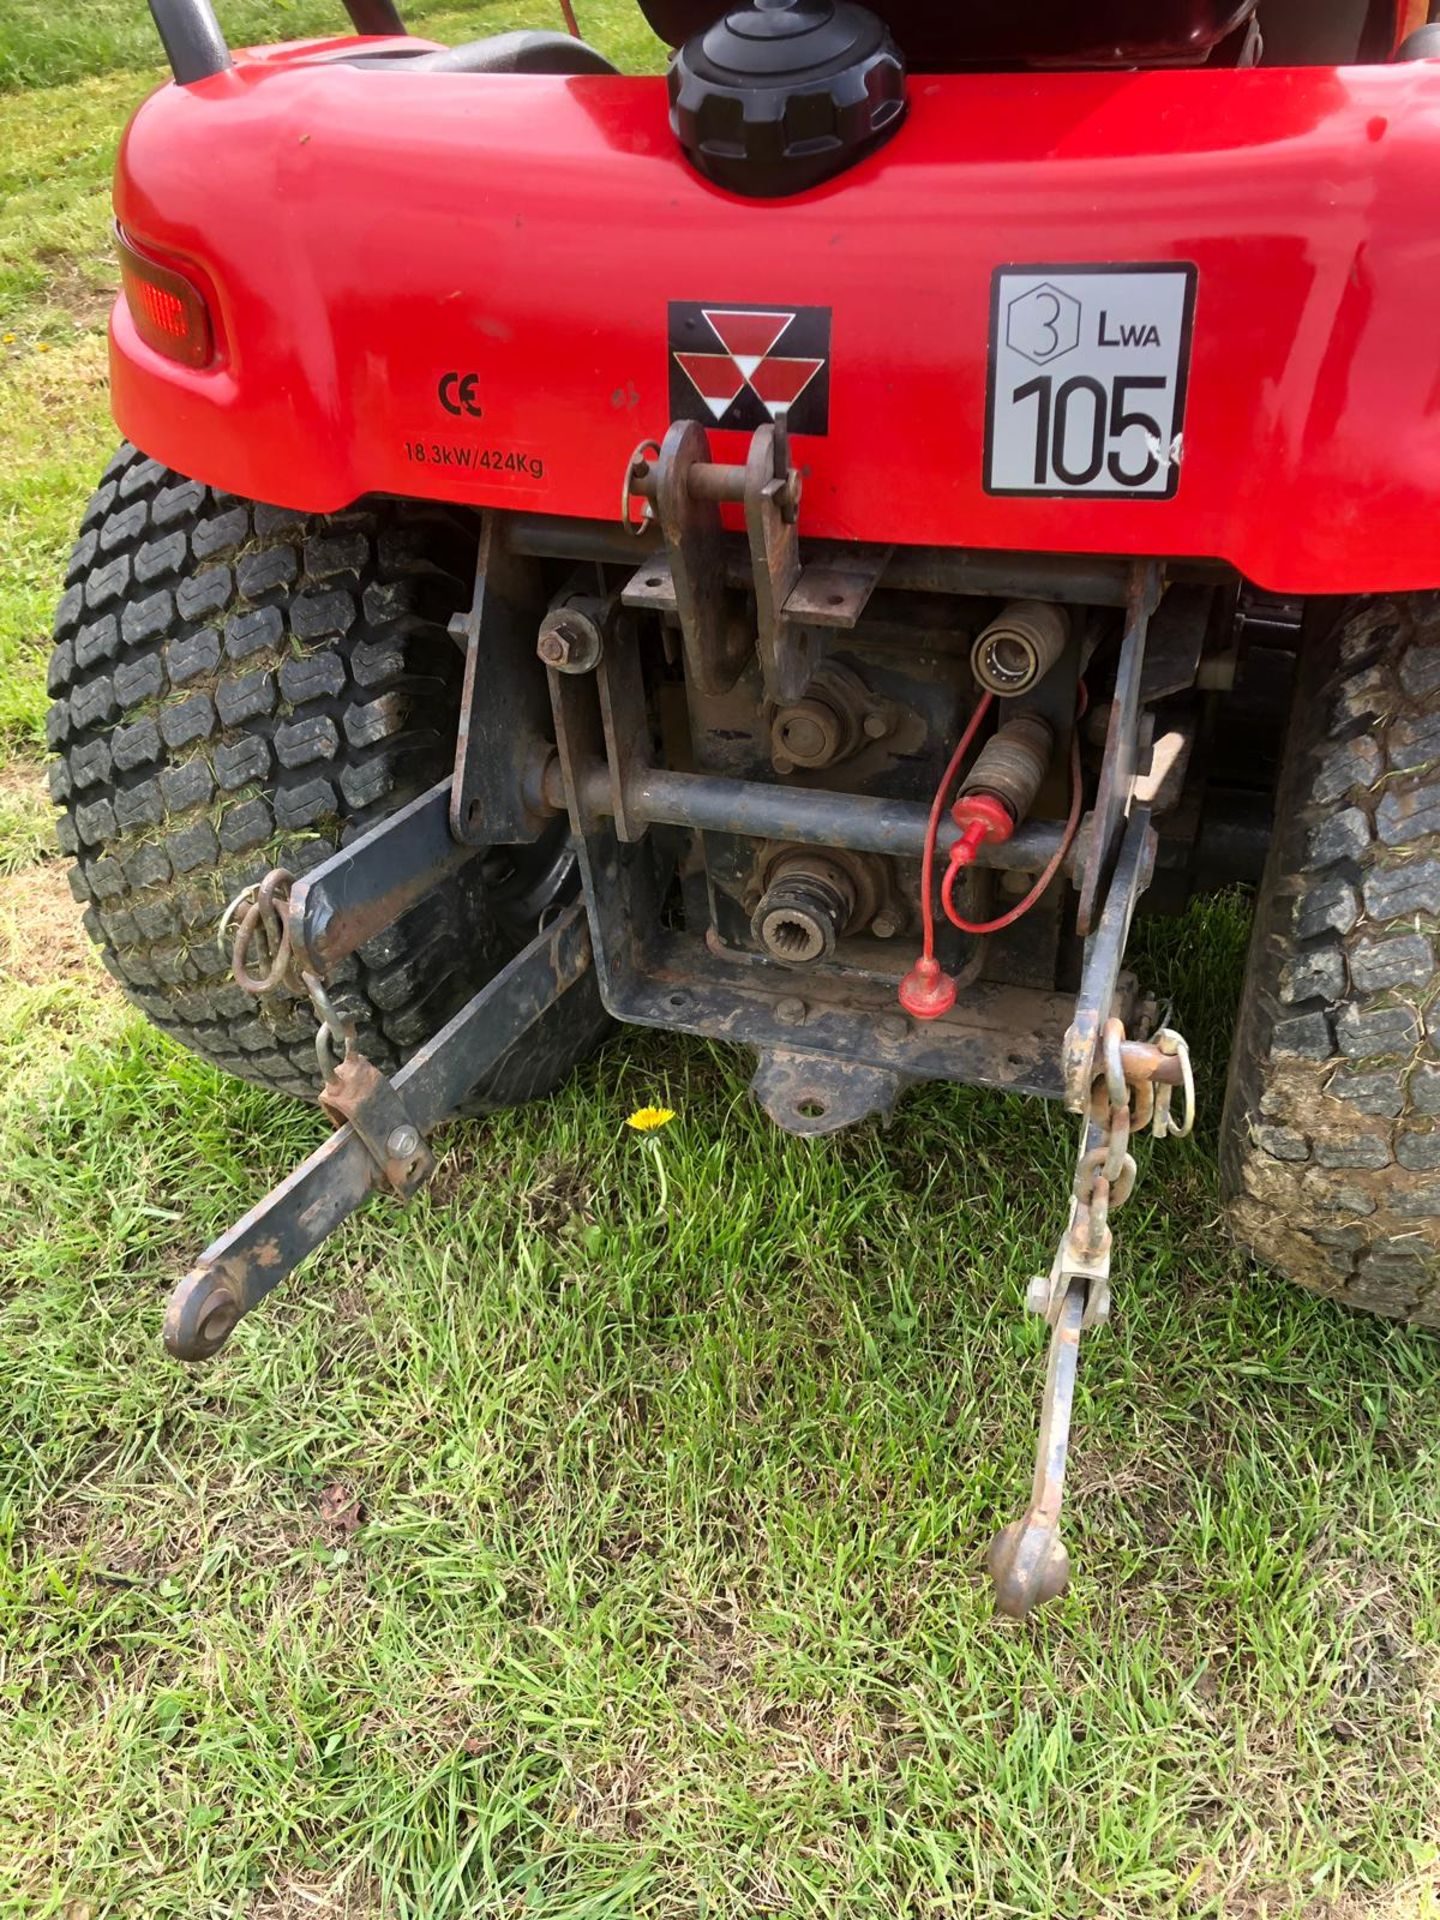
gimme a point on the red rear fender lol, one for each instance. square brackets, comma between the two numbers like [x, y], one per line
[460, 287]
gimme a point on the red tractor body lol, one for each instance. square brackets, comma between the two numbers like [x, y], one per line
[462, 287]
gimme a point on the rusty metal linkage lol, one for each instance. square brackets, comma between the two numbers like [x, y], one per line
[687, 490]
[504, 712]
[1122, 745]
[807, 816]
[357, 1094]
[683, 489]
[360, 890]
[1133, 1090]
[569, 743]
[310, 923]
[1101, 977]
[1028, 1561]
[772, 506]
[373, 1147]
[1120, 1087]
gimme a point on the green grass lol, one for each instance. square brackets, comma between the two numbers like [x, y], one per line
[46, 43]
[534, 1555]
[665, 1593]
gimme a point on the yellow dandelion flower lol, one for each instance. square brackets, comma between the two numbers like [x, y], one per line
[9, 339]
[42, 346]
[647, 1122]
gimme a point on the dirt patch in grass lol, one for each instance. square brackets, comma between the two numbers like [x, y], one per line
[74, 288]
[559, 1193]
[306, 1897]
[41, 938]
[73, 1529]
[27, 818]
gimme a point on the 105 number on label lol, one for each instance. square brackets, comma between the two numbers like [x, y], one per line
[1088, 369]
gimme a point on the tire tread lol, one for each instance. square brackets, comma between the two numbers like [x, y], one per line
[211, 723]
[1330, 1147]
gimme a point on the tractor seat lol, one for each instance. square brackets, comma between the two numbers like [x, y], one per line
[522, 52]
[943, 35]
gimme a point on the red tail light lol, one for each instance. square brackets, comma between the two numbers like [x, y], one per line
[168, 310]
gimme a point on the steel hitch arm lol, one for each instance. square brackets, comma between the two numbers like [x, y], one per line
[1135, 1090]
[1120, 1087]
[297, 931]
[1028, 1561]
[379, 1143]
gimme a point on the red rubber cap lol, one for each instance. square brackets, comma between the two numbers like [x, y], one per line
[968, 845]
[982, 817]
[927, 990]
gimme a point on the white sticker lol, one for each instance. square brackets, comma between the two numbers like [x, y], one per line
[1088, 367]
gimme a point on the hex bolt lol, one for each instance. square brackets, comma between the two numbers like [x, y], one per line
[1037, 1294]
[569, 641]
[790, 1011]
[403, 1143]
[877, 725]
[886, 924]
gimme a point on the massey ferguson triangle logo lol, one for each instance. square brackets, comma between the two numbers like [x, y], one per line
[738, 367]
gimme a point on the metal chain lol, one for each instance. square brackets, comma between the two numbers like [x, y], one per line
[335, 1038]
[1106, 1174]
[263, 923]
[1104, 1179]
[265, 920]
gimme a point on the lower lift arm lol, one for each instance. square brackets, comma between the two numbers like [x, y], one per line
[382, 1123]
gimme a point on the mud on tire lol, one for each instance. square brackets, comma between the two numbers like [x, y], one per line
[237, 687]
[1330, 1147]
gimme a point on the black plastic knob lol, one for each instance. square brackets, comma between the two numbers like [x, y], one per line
[782, 94]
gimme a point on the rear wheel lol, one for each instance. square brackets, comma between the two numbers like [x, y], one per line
[238, 687]
[1331, 1139]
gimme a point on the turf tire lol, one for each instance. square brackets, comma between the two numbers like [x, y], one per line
[237, 687]
[1330, 1148]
